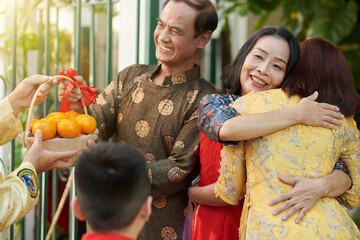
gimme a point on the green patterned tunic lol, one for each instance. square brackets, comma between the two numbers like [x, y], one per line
[160, 120]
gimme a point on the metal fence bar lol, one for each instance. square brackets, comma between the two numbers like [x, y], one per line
[92, 79]
[78, 36]
[109, 42]
[13, 69]
[72, 219]
[23, 229]
[39, 70]
[212, 69]
[54, 198]
[40, 56]
[56, 106]
[152, 12]
[56, 50]
[47, 47]
[44, 183]
[37, 216]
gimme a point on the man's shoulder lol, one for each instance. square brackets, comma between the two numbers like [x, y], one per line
[139, 68]
[129, 73]
[204, 86]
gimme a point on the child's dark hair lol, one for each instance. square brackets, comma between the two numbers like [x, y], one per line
[112, 185]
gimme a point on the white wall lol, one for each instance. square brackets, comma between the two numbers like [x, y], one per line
[127, 26]
[127, 32]
[239, 32]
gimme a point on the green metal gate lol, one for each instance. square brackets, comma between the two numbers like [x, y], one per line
[45, 66]
[49, 63]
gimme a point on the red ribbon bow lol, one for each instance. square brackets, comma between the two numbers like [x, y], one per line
[88, 93]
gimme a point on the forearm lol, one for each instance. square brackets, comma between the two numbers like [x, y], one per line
[15, 104]
[205, 195]
[10, 126]
[213, 112]
[169, 177]
[16, 197]
[350, 156]
[249, 126]
[104, 115]
[335, 184]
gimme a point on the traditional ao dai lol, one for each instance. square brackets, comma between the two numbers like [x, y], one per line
[296, 151]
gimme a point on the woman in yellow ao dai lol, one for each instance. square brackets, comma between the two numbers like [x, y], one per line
[296, 151]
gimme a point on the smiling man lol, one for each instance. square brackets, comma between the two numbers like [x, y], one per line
[156, 107]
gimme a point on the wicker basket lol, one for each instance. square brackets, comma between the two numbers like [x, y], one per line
[56, 144]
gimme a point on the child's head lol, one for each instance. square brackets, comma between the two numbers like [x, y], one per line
[231, 77]
[112, 186]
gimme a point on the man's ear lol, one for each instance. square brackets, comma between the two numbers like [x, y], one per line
[76, 209]
[145, 210]
[204, 39]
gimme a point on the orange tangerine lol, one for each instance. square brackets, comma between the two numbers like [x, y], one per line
[57, 116]
[72, 114]
[47, 127]
[87, 123]
[68, 128]
[32, 122]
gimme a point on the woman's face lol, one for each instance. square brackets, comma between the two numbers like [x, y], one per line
[265, 66]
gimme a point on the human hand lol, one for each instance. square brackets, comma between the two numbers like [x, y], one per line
[304, 195]
[90, 143]
[75, 94]
[316, 114]
[23, 94]
[44, 160]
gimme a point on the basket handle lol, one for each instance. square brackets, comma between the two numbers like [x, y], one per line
[37, 91]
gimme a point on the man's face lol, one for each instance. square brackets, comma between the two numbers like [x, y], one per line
[174, 39]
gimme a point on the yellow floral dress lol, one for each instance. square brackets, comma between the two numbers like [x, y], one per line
[296, 151]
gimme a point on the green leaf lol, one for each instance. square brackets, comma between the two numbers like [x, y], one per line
[29, 40]
[268, 5]
[255, 8]
[242, 9]
[260, 23]
[6, 35]
[225, 26]
[353, 58]
[350, 47]
[334, 21]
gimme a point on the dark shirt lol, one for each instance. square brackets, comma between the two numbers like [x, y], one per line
[162, 121]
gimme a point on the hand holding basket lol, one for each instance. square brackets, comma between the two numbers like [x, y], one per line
[56, 144]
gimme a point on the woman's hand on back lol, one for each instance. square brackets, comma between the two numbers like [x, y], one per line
[307, 191]
[316, 114]
[302, 197]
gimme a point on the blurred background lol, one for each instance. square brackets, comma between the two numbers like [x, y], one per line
[101, 37]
